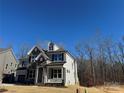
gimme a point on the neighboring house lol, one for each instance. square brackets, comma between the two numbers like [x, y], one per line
[52, 66]
[8, 65]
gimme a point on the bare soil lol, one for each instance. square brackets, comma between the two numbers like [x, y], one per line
[70, 89]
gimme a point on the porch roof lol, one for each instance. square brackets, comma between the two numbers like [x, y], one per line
[56, 63]
[22, 68]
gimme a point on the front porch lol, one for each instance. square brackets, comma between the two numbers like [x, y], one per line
[49, 75]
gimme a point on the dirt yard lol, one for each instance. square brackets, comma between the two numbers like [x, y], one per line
[70, 89]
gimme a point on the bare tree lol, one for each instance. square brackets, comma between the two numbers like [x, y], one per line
[101, 62]
[23, 51]
[90, 55]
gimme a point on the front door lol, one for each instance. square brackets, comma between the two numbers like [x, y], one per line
[40, 75]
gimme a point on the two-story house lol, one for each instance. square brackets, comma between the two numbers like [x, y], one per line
[52, 66]
[8, 65]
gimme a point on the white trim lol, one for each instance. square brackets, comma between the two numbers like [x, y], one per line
[32, 49]
[38, 56]
[36, 75]
[43, 53]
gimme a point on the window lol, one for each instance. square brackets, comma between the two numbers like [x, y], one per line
[23, 63]
[50, 73]
[54, 57]
[31, 74]
[60, 56]
[41, 59]
[59, 73]
[11, 64]
[57, 57]
[55, 73]
[33, 58]
[68, 71]
[72, 65]
[51, 46]
[6, 66]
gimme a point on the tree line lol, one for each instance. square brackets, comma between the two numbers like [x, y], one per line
[100, 62]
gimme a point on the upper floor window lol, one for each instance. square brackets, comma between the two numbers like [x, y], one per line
[6, 66]
[58, 57]
[72, 65]
[33, 58]
[11, 64]
[51, 46]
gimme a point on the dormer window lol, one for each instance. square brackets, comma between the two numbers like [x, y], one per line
[51, 45]
[58, 57]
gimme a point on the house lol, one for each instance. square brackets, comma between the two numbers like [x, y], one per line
[52, 66]
[8, 65]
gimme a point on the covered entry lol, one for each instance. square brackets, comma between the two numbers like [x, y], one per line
[40, 75]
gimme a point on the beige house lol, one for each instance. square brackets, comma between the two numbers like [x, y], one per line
[48, 66]
[8, 65]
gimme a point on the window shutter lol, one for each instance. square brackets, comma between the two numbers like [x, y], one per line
[62, 56]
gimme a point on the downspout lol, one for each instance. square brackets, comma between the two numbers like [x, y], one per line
[4, 60]
[75, 71]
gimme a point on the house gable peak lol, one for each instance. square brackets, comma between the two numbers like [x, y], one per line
[34, 48]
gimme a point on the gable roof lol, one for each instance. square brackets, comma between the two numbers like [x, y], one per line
[43, 52]
[3, 50]
[36, 46]
[32, 49]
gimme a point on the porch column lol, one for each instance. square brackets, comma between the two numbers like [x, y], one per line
[36, 75]
[62, 73]
[44, 75]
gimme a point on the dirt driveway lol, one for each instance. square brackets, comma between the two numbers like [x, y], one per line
[70, 89]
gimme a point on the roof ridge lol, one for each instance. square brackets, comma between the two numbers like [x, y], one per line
[4, 49]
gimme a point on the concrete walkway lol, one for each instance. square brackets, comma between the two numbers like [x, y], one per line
[17, 85]
[7, 84]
